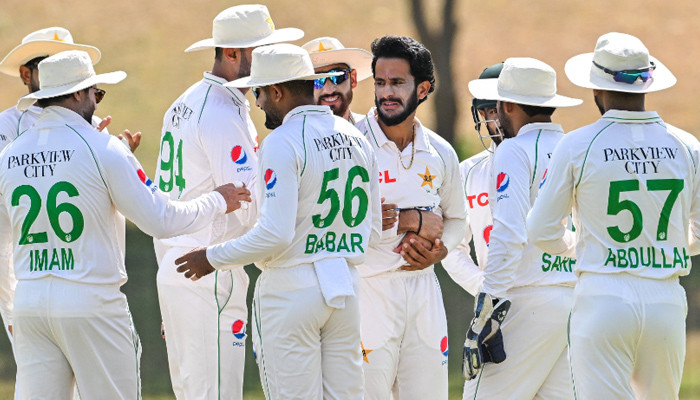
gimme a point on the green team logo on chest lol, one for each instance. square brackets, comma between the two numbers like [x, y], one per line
[354, 211]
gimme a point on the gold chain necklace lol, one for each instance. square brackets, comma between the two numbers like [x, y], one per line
[413, 150]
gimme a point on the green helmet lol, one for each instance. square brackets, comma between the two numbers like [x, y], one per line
[489, 73]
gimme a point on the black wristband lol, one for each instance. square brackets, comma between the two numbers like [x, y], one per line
[420, 221]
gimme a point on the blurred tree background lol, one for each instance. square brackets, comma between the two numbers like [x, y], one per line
[147, 38]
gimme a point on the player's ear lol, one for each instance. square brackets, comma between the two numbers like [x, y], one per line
[353, 78]
[26, 74]
[275, 93]
[422, 89]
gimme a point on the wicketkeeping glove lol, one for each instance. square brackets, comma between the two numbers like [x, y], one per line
[484, 338]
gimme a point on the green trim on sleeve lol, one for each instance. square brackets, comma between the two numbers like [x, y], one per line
[203, 104]
[466, 177]
[303, 141]
[583, 164]
[537, 148]
[91, 153]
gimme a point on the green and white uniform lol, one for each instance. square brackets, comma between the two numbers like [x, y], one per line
[12, 123]
[319, 205]
[208, 139]
[632, 182]
[404, 327]
[539, 285]
[63, 189]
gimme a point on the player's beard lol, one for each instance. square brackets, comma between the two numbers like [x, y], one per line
[34, 83]
[244, 69]
[599, 104]
[505, 122]
[343, 104]
[87, 109]
[272, 120]
[409, 108]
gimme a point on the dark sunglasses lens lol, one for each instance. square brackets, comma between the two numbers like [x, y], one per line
[631, 77]
[336, 80]
[255, 92]
[99, 95]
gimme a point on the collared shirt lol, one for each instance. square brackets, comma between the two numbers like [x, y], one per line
[428, 179]
[632, 181]
[476, 174]
[13, 122]
[318, 198]
[208, 139]
[519, 169]
[64, 188]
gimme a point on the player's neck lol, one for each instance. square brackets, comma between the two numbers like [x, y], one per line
[401, 134]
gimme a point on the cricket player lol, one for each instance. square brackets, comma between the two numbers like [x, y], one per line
[208, 139]
[632, 182]
[329, 55]
[475, 173]
[404, 329]
[63, 186]
[22, 62]
[319, 207]
[537, 286]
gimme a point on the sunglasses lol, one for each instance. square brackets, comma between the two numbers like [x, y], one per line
[629, 75]
[336, 79]
[99, 95]
[256, 91]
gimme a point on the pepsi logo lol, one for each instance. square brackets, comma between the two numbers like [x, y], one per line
[238, 155]
[238, 329]
[142, 176]
[270, 179]
[502, 181]
[487, 234]
[544, 177]
[444, 349]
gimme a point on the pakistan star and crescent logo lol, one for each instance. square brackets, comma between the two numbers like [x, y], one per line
[321, 48]
[427, 178]
[55, 37]
[365, 352]
[269, 21]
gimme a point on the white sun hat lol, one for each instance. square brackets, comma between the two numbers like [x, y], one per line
[523, 80]
[64, 73]
[328, 51]
[278, 63]
[623, 56]
[245, 26]
[44, 42]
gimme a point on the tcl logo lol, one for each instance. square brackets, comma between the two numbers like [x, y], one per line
[384, 177]
[482, 199]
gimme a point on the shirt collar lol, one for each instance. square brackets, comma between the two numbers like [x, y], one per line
[421, 141]
[307, 110]
[218, 81]
[64, 115]
[631, 117]
[537, 126]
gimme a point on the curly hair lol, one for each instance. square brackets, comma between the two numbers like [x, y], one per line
[418, 57]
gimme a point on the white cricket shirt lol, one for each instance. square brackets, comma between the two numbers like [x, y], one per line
[520, 166]
[62, 187]
[432, 182]
[632, 181]
[318, 195]
[13, 122]
[208, 139]
[476, 174]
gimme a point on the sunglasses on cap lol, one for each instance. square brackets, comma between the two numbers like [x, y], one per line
[629, 75]
[336, 79]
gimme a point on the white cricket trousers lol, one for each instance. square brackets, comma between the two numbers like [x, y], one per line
[305, 349]
[535, 341]
[205, 329]
[68, 332]
[404, 336]
[627, 337]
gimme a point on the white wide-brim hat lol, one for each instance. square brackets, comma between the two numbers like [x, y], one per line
[278, 63]
[245, 26]
[64, 73]
[328, 51]
[523, 80]
[618, 52]
[44, 42]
